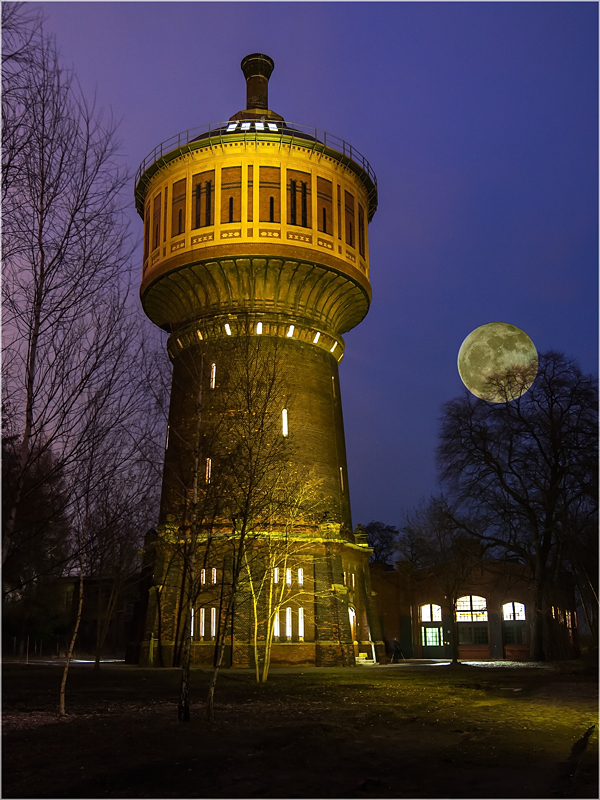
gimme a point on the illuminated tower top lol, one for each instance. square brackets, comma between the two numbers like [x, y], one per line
[256, 215]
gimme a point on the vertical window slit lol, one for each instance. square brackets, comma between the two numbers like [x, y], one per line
[284, 422]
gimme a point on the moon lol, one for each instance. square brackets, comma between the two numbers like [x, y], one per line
[497, 362]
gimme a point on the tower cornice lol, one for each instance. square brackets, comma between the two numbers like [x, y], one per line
[186, 291]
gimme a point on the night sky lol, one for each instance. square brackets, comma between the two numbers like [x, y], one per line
[480, 121]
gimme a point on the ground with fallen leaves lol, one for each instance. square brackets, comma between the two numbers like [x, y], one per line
[410, 730]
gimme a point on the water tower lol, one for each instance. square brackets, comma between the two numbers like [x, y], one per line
[257, 227]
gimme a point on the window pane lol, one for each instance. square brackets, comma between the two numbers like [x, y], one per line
[436, 613]
[426, 613]
[432, 637]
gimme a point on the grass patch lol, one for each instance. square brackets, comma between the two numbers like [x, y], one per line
[363, 732]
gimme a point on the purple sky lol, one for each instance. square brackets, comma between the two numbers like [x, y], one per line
[480, 120]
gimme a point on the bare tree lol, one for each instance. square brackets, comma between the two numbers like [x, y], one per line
[249, 461]
[271, 559]
[522, 477]
[71, 341]
[67, 330]
[384, 541]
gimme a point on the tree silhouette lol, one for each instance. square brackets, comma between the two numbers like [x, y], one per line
[522, 477]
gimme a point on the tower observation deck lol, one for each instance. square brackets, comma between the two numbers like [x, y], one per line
[258, 227]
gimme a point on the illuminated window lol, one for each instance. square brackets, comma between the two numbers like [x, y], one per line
[290, 332]
[276, 575]
[202, 576]
[432, 637]
[213, 622]
[352, 617]
[259, 328]
[471, 608]
[245, 126]
[276, 630]
[333, 346]
[333, 385]
[199, 335]
[214, 575]
[430, 613]
[300, 576]
[288, 623]
[353, 582]
[260, 126]
[231, 127]
[288, 577]
[208, 469]
[202, 622]
[342, 478]
[213, 375]
[513, 611]
[284, 422]
[317, 337]
[571, 619]
[301, 623]
[272, 127]
[227, 329]
[192, 622]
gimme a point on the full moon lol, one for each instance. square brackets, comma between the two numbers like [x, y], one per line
[497, 362]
